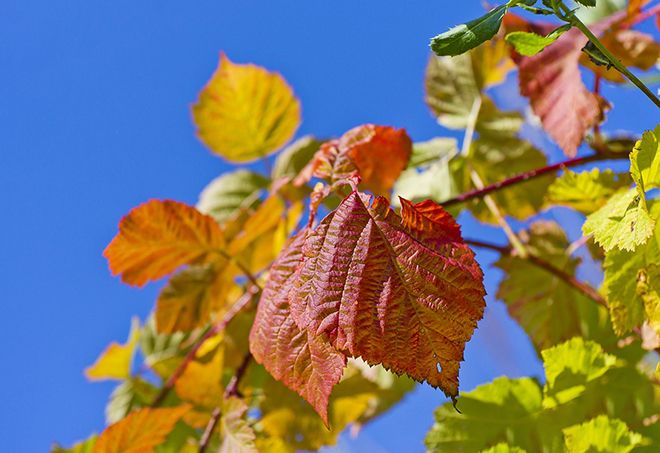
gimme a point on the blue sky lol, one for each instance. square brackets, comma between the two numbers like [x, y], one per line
[94, 119]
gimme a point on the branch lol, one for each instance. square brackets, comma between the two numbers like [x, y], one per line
[529, 175]
[241, 303]
[230, 390]
[584, 288]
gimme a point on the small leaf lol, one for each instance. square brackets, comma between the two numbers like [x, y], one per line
[131, 394]
[227, 194]
[305, 363]
[245, 112]
[645, 162]
[84, 446]
[467, 36]
[201, 381]
[158, 237]
[115, 361]
[529, 43]
[587, 191]
[237, 435]
[293, 159]
[601, 434]
[404, 292]
[623, 222]
[373, 155]
[140, 432]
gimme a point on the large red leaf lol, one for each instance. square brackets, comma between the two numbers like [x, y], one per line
[304, 362]
[404, 291]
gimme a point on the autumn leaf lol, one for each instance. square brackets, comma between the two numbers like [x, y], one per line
[304, 362]
[158, 237]
[402, 291]
[586, 191]
[373, 155]
[245, 112]
[237, 435]
[115, 361]
[553, 83]
[140, 432]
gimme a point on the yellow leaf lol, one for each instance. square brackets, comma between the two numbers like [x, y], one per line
[158, 237]
[140, 431]
[245, 112]
[115, 361]
[200, 383]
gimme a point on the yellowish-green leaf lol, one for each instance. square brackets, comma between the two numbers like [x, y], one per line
[84, 446]
[227, 194]
[162, 352]
[549, 309]
[623, 222]
[237, 435]
[245, 112]
[645, 162]
[201, 382]
[115, 362]
[530, 44]
[504, 448]
[290, 162]
[601, 434]
[570, 366]
[129, 395]
[586, 191]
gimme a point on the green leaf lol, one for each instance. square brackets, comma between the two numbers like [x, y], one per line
[631, 283]
[589, 3]
[425, 153]
[601, 434]
[645, 162]
[623, 222]
[162, 352]
[570, 366]
[529, 44]
[504, 448]
[603, 9]
[228, 193]
[290, 162]
[127, 396]
[549, 309]
[586, 191]
[464, 37]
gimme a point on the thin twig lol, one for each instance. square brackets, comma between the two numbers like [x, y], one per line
[230, 390]
[529, 175]
[584, 288]
[241, 303]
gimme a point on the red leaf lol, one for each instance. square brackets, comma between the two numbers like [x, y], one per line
[372, 155]
[553, 83]
[306, 363]
[402, 291]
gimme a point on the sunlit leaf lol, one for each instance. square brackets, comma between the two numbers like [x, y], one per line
[162, 352]
[158, 237]
[140, 431]
[131, 394]
[623, 222]
[228, 193]
[529, 43]
[245, 112]
[304, 362]
[645, 162]
[464, 37]
[291, 161]
[84, 446]
[601, 434]
[404, 292]
[201, 381]
[586, 191]
[116, 360]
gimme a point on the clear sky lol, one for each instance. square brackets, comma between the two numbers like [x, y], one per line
[94, 119]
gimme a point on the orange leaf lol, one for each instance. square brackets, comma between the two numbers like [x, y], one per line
[140, 431]
[158, 237]
[245, 112]
[304, 362]
[373, 155]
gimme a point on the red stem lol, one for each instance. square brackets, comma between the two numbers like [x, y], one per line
[526, 176]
